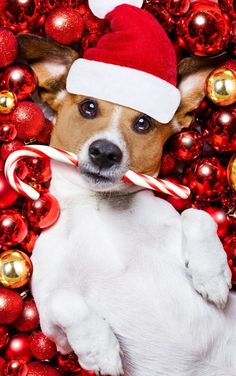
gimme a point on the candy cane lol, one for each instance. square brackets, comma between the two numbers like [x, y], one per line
[69, 158]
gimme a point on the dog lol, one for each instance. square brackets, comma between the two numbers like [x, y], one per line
[122, 279]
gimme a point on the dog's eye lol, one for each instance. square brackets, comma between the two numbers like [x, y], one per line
[88, 109]
[143, 124]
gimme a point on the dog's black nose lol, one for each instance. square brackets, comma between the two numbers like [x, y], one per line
[104, 153]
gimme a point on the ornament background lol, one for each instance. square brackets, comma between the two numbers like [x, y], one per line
[202, 156]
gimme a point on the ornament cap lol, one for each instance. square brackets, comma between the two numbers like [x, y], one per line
[101, 8]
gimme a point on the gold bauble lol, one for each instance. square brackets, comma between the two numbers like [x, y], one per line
[15, 269]
[221, 86]
[231, 172]
[7, 102]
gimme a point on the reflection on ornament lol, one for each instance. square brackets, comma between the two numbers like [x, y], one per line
[7, 102]
[231, 172]
[221, 86]
[15, 269]
[16, 367]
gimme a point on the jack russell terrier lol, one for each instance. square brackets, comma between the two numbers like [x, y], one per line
[122, 279]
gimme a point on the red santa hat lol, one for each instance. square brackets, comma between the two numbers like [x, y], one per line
[134, 65]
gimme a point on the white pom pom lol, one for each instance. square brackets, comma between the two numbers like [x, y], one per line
[101, 8]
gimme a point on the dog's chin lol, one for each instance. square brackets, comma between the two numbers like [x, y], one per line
[101, 182]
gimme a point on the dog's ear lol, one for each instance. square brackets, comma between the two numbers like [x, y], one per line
[193, 73]
[50, 61]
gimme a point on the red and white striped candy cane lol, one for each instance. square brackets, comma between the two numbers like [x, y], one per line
[69, 158]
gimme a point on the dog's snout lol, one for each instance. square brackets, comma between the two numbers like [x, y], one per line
[104, 153]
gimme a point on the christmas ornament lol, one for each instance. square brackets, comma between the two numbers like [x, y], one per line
[28, 119]
[64, 25]
[90, 40]
[19, 79]
[2, 361]
[19, 348]
[206, 178]
[15, 269]
[35, 170]
[221, 86]
[15, 368]
[29, 241]
[11, 306]
[13, 228]
[41, 369]
[160, 12]
[186, 145]
[179, 203]
[220, 129]
[177, 7]
[231, 172]
[7, 102]
[45, 134]
[8, 131]
[10, 147]
[8, 47]
[4, 336]
[204, 30]
[230, 248]
[29, 319]
[42, 212]
[168, 164]
[68, 363]
[42, 347]
[227, 6]
[221, 219]
[8, 196]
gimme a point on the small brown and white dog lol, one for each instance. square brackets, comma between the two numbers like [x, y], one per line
[119, 278]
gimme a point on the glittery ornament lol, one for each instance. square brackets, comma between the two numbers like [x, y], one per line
[15, 269]
[4, 336]
[8, 47]
[7, 149]
[68, 363]
[11, 306]
[221, 86]
[41, 369]
[42, 347]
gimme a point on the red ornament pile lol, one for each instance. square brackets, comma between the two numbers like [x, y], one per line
[198, 156]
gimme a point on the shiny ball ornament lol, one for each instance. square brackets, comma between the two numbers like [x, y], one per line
[41, 369]
[11, 306]
[8, 196]
[8, 102]
[231, 172]
[8, 131]
[13, 228]
[206, 178]
[28, 119]
[29, 319]
[221, 86]
[36, 170]
[42, 213]
[8, 148]
[15, 269]
[186, 145]
[229, 244]
[221, 219]
[19, 79]
[160, 12]
[15, 368]
[219, 129]
[29, 241]
[180, 204]
[227, 6]
[168, 164]
[42, 347]
[177, 7]
[19, 348]
[2, 361]
[45, 134]
[4, 336]
[8, 47]
[64, 25]
[204, 30]
[68, 363]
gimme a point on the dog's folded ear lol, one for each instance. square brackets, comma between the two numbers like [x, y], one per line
[193, 72]
[50, 61]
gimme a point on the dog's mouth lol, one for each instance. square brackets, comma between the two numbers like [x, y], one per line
[96, 177]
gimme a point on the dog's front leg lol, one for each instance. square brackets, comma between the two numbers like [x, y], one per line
[205, 258]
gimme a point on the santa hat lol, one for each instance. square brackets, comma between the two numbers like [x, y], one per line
[134, 65]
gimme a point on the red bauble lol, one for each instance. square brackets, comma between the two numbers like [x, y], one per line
[41, 369]
[179, 203]
[221, 219]
[29, 319]
[13, 228]
[204, 30]
[42, 347]
[168, 164]
[186, 145]
[4, 336]
[8, 131]
[64, 25]
[177, 7]
[90, 40]
[15, 368]
[28, 119]
[11, 306]
[29, 241]
[7, 149]
[44, 136]
[2, 361]
[206, 178]
[19, 79]
[230, 248]
[7, 195]
[35, 170]
[19, 348]
[8, 47]
[159, 11]
[43, 212]
[68, 363]
[228, 6]
[220, 129]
